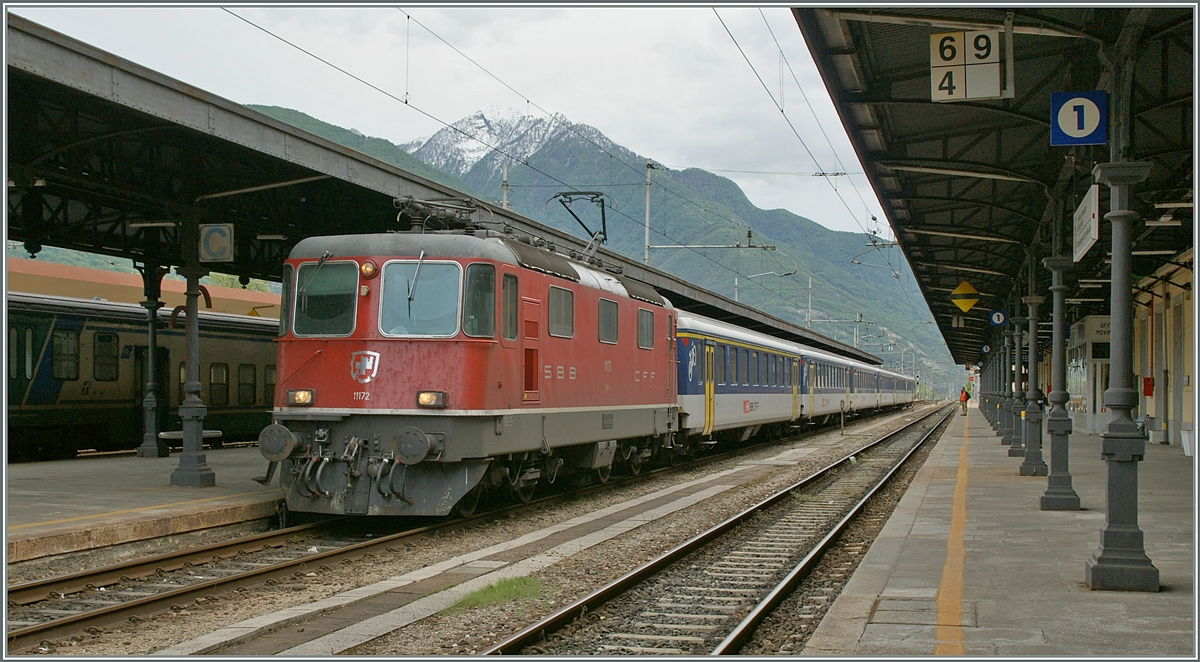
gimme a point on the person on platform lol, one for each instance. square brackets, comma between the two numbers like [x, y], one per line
[963, 396]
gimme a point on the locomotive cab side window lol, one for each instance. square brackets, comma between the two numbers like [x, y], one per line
[65, 356]
[285, 302]
[608, 321]
[326, 295]
[420, 298]
[479, 302]
[104, 357]
[645, 329]
[509, 300]
[562, 312]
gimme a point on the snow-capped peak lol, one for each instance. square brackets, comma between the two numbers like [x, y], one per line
[459, 147]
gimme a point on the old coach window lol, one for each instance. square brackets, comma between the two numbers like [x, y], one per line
[562, 312]
[104, 357]
[479, 302]
[420, 298]
[325, 297]
[64, 355]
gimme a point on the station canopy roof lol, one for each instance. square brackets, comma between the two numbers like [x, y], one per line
[109, 157]
[973, 189]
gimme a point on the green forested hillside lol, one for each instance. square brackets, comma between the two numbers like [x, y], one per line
[688, 207]
[696, 207]
[377, 147]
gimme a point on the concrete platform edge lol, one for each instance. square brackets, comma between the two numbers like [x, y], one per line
[76, 540]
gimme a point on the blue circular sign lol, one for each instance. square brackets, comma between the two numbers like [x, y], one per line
[997, 318]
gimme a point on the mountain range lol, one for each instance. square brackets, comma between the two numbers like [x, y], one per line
[549, 155]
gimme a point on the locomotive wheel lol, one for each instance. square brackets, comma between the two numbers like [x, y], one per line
[469, 502]
[601, 474]
[524, 494]
[634, 462]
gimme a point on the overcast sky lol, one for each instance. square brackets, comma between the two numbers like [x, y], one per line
[668, 83]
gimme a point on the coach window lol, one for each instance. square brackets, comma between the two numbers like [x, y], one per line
[645, 329]
[218, 384]
[733, 365]
[246, 384]
[562, 312]
[325, 298]
[754, 368]
[28, 353]
[745, 374]
[269, 385]
[65, 355]
[479, 303]
[104, 357]
[13, 352]
[509, 299]
[719, 361]
[608, 321]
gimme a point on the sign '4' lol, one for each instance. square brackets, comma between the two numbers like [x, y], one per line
[964, 65]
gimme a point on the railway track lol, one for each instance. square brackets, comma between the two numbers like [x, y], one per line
[55, 607]
[708, 595]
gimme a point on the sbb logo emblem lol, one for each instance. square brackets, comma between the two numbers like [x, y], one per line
[363, 366]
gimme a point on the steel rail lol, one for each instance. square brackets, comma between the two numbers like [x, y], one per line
[36, 590]
[743, 631]
[536, 632]
[55, 587]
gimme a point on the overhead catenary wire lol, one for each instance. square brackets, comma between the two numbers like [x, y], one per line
[821, 126]
[684, 203]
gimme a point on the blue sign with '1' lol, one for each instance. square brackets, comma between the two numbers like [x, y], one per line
[1078, 118]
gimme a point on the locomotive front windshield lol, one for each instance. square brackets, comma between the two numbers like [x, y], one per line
[325, 297]
[420, 298]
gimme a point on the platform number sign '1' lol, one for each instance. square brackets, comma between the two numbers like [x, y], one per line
[964, 65]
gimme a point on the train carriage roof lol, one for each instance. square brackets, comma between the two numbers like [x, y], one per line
[132, 312]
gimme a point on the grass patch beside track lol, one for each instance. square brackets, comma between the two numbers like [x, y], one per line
[512, 588]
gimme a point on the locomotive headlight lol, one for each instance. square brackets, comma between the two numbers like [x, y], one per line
[431, 399]
[302, 397]
[368, 270]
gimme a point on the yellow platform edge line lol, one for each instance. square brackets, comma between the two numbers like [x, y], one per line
[949, 600]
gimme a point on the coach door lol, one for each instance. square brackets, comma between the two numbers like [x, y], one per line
[531, 319]
[795, 370]
[710, 389]
[811, 384]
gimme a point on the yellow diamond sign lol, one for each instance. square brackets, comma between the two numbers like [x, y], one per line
[964, 296]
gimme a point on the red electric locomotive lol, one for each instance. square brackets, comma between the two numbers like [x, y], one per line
[420, 370]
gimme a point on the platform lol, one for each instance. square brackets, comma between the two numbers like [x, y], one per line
[86, 503]
[1019, 588]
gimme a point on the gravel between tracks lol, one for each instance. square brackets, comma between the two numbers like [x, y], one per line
[472, 630]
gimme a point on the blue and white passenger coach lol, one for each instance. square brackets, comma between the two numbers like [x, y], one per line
[734, 383]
